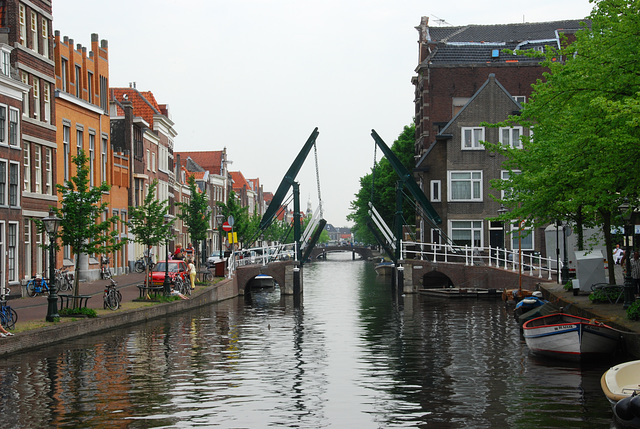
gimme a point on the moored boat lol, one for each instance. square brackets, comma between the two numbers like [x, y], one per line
[529, 303]
[565, 336]
[384, 268]
[262, 281]
[621, 386]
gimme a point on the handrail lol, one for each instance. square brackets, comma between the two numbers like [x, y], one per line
[491, 256]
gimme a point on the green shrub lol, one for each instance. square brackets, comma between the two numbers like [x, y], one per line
[89, 312]
[568, 286]
[604, 295]
[633, 312]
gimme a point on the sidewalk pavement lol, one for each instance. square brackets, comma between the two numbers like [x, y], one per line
[35, 308]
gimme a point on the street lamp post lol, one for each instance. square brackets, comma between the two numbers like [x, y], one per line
[220, 219]
[167, 282]
[564, 271]
[51, 224]
[626, 212]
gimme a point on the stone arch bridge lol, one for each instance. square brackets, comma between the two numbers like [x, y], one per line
[321, 252]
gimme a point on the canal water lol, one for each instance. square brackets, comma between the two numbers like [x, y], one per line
[347, 355]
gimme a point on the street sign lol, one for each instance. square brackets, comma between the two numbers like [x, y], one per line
[226, 226]
[231, 220]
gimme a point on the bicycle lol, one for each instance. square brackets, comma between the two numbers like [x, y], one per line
[105, 271]
[112, 296]
[64, 279]
[181, 285]
[8, 316]
[142, 263]
[37, 286]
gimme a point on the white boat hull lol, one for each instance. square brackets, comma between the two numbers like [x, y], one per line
[569, 337]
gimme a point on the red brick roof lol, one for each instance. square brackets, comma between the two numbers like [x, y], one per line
[238, 180]
[144, 103]
[210, 160]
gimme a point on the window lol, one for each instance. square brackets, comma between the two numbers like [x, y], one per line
[5, 63]
[504, 175]
[34, 31]
[47, 102]
[467, 232]
[27, 245]
[26, 168]
[148, 159]
[66, 136]
[14, 179]
[79, 138]
[92, 158]
[78, 82]
[25, 97]
[45, 37]
[465, 185]
[103, 160]
[521, 236]
[13, 127]
[471, 137]
[63, 74]
[36, 98]
[153, 162]
[37, 168]
[12, 252]
[23, 25]
[3, 183]
[436, 190]
[39, 253]
[48, 172]
[3, 122]
[519, 98]
[90, 86]
[510, 136]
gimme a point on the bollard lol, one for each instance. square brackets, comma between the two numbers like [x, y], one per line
[296, 281]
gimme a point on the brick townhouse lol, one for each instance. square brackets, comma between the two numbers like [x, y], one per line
[465, 77]
[83, 123]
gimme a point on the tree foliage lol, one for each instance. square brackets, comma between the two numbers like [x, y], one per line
[379, 187]
[81, 209]
[147, 221]
[582, 161]
[196, 213]
[241, 224]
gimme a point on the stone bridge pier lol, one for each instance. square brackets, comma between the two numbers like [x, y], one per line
[281, 271]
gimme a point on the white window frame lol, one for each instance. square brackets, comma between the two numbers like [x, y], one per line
[4, 182]
[27, 245]
[14, 127]
[435, 187]
[79, 140]
[474, 179]
[37, 168]
[45, 37]
[66, 136]
[103, 159]
[23, 24]
[78, 78]
[25, 96]
[48, 171]
[34, 31]
[26, 167]
[527, 241]
[92, 158]
[12, 251]
[17, 184]
[36, 97]
[475, 134]
[5, 62]
[64, 66]
[47, 102]
[510, 136]
[475, 229]
[504, 175]
[519, 98]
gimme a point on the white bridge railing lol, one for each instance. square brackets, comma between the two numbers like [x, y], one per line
[532, 263]
[260, 255]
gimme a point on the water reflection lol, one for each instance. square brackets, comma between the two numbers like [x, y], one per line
[351, 354]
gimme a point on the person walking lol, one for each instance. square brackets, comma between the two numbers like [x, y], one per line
[192, 274]
[618, 253]
[635, 271]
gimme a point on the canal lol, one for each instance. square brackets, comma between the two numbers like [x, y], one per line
[348, 355]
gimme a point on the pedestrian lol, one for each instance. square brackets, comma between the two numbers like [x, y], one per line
[618, 253]
[635, 270]
[177, 253]
[4, 332]
[189, 251]
[192, 273]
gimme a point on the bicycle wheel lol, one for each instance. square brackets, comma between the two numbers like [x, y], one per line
[112, 299]
[11, 316]
[178, 284]
[139, 266]
[31, 288]
[208, 276]
[119, 296]
[66, 282]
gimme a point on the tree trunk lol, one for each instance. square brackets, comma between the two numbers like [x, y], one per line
[606, 230]
[76, 281]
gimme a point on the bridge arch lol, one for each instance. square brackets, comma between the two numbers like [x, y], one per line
[435, 280]
[320, 252]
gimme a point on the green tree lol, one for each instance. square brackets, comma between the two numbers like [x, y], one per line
[81, 210]
[582, 162]
[379, 187]
[147, 221]
[196, 214]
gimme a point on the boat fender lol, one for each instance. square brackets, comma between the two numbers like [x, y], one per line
[529, 301]
[628, 408]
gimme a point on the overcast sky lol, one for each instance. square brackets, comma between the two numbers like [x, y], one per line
[257, 76]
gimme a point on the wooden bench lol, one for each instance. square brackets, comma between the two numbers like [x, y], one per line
[67, 301]
[149, 290]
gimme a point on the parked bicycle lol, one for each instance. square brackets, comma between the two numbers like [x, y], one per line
[37, 286]
[64, 279]
[105, 270]
[8, 316]
[181, 285]
[112, 296]
[142, 263]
